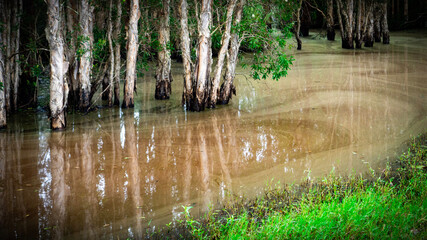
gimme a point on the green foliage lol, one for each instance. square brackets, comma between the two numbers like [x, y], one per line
[1, 86]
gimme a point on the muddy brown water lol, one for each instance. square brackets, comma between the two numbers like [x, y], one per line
[118, 173]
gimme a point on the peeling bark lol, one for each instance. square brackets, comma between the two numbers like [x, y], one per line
[187, 94]
[59, 67]
[330, 31]
[225, 40]
[228, 88]
[132, 51]
[117, 61]
[85, 68]
[163, 72]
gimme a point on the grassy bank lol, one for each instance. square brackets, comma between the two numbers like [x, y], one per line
[387, 205]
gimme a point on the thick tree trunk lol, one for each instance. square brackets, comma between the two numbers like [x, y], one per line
[2, 74]
[132, 51]
[73, 81]
[58, 66]
[347, 31]
[359, 24]
[163, 72]
[111, 48]
[330, 31]
[298, 26]
[203, 64]
[225, 40]
[377, 22]
[228, 88]
[369, 32]
[384, 24]
[17, 70]
[117, 61]
[187, 94]
[85, 68]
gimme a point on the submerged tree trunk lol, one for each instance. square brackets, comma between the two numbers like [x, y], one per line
[369, 29]
[58, 66]
[85, 68]
[377, 22]
[163, 72]
[359, 24]
[187, 94]
[71, 10]
[132, 51]
[298, 25]
[203, 64]
[117, 60]
[347, 23]
[384, 24]
[213, 98]
[330, 31]
[227, 88]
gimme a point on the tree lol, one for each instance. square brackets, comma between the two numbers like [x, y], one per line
[111, 58]
[58, 65]
[384, 24]
[2, 73]
[369, 26]
[132, 50]
[345, 16]
[330, 31]
[187, 95]
[117, 59]
[298, 25]
[163, 72]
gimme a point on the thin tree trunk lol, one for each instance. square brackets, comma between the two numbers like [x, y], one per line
[59, 67]
[111, 48]
[377, 22]
[369, 33]
[7, 47]
[187, 94]
[384, 24]
[213, 98]
[117, 61]
[132, 51]
[359, 32]
[228, 88]
[330, 31]
[163, 72]
[17, 70]
[85, 68]
[2, 78]
[203, 64]
[298, 26]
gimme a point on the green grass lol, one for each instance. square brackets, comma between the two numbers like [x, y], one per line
[392, 205]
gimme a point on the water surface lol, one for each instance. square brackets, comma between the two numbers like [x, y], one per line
[115, 172]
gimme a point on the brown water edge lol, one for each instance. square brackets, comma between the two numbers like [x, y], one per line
[114, 172]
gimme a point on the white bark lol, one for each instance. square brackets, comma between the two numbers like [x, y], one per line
[186, 57]
[117, 61]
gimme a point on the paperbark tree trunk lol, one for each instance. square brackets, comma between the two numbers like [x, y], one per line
[203, 64]
[59, 67]
[347, 23]
[384, 24]
[17, 68]
[85, 68]
[7, 51]
[132, 51]
[369, 33]
[298, 25]
[225, 40]
[228, 88]
[117, 61]
[2, 78]
[73, 81]
[187, 95]
[377, 22]
[111, 48]
[359, 24]
[330, 31]
[163, 72]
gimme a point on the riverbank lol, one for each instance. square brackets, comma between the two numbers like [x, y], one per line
[384, 205]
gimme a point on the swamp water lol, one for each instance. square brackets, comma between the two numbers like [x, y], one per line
[114, 173]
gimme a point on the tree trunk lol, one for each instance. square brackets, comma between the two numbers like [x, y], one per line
[111, 48]
[17, 70]
[203, 64]
[298, 26]
[228, 88]
[163, 72]
[7, 48]
[187, 94]
[359, 24]
[330, 31]
[377, 22]
[85, 68]
[2, 78]
[117, 61]
[347, 31]
[225, 40]
[59, 67]
[73, 81]
[132, 51]
[405, 10]
[384, 24]
[369, 33]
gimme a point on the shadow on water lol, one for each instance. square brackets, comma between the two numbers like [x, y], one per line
[113, 173]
